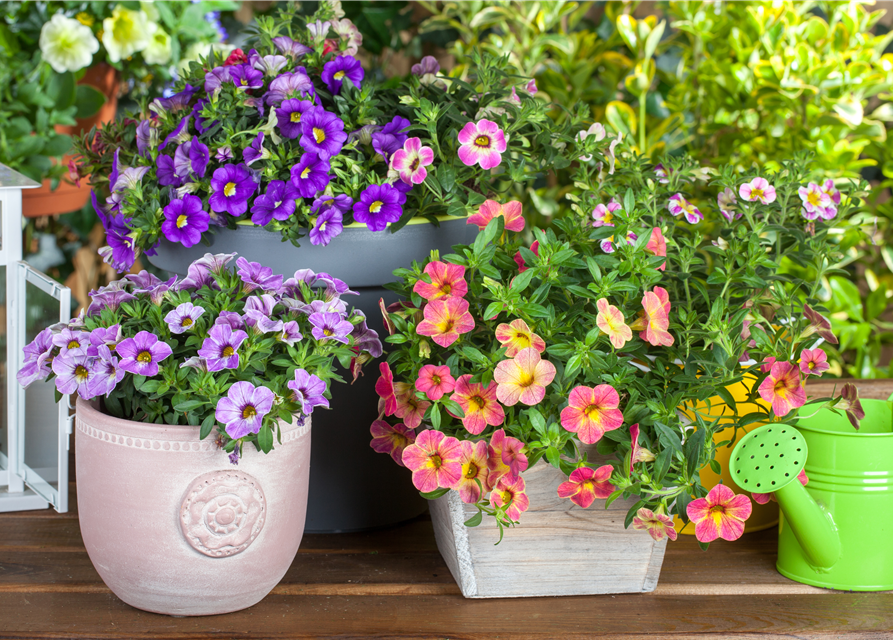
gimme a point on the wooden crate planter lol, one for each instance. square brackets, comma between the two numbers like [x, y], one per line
[558, 549]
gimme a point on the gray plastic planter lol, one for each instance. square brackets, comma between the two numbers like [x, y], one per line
[351, 487]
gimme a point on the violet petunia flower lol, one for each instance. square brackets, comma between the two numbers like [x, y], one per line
[390, 137]
[290, 333]
[426, 70]
[120, 252]
[74, 373]
[166, 172]
[244, 76]
[329, 225]
[106, 299]
[255, 151]
[191, 158]
[179, 135]
[308, 391]
[291, 48]
[341, 202]
[268, 65]
[141, 354]
[379, 204]
[38, 356]
[335, 71]
[231, 185]
[157, 292]
[142, 280]
[231, 318]
[200, 272]
[107, 373]
[215, 78]
[243, 409]
[72, 342]
[146, 137]
[223, 154]
[185, 221]
[287, 86]
[174, 103]
[289, 115]
[322, 133]
[330, 326]
[364, 338]
[278, 203]
[105, 337]
[220, 348]
[182, 319]
[257, 276]
[310, 175]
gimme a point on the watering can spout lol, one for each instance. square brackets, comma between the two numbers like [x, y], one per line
[768, 460]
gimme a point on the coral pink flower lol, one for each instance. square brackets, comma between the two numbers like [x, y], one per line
[519, 259]
[511, 211]
[637, 453]
[720, 515]
[657, 317]
[445, 319]
[766, 365]
[509, 492]
[480, 405]
[391, 439]
[817, 324]
[516, 336]
[482, 143]
[658, 525]
[505, 456]
[435, 461]
[410, 409]
[586, 484]
[474, 468]
[763, 498]
[384, 387]
[757, 189]
[610, 321]
[435, 381]
[783, 389]
[411, 160]
[591, 412]
[813, 362]
[446, 280]
[657, 245]
[523, 379]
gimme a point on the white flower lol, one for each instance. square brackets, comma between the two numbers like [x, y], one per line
[159, 49]
[66, 44]
[151, 11]
[125, 33]
[336, 8]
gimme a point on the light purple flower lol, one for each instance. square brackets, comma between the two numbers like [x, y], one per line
[107, 298]
[727, 200]
[330, 326]
[107, 373]
[679, 205]
[38, 354]
[141, 354]
[182, 319]
[268, 65]
[232, 185]
[426, 70]
[104, 337]
[258, 311]
[379, 204]
[335, 71]
[72, 342]
[231, 318]
[310, 175]
[255, 151]
[308, 391]
[244, 76]
[319, 29]
[322, 133]
[174, 103]
[179, 135]
[329, 225]
[291, 48]
[289, 116]
[156, 292]
[223, 154]
[757, 189]
[146, 137]
[199, 273]
[287, 86]
[257, 276]
[390, 137]
[185, 221]
[290, 333]
[195, 362]
[220, 347]
[74, 373]
[216, 77]
[278, 203]
[192, 158]
[243, 409]
[364, 338]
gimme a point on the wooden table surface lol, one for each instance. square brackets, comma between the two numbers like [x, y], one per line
[393, 584]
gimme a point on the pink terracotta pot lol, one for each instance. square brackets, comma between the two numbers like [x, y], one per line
[173, 527]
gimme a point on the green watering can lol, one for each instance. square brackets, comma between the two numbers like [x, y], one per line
[835, 532]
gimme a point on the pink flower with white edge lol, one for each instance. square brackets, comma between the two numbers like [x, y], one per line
[585, 485]
[446, 280]
[391, 439]
[678, 205]
[592, 411]
[435, 461]
[658, 525]
[474, 468]
[435, 381]
[511, 211]
[783, 389]
[509, 492]
[523, 378]
[482, 143]
[411, 160]
[763, 498]
[813, 362]
[720, 515]
[505, 455]
[815, 201]
[657, 245]
[603, 215]
[607, 244]
[757, 190]
[834, 194]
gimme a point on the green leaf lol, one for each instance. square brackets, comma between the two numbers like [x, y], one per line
[433, 495]
[207, 424]
[89, 101]
[435, 416]
[188, 405]
[61, 89]
[693, 449]
[265, 438]
[475, 520]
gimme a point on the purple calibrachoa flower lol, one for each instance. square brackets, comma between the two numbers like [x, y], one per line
[308, 391]
[257, 276]
[310, 175]
[255, 151]
[105, 337]
[166, 172]
[107, 373]
[220, 347]
[231, 318]
[268, 65]
[482, 143]
[330, 326]
[215, 78]
[322, 133]
[37, 358]
[290, 333]
[174, 103]
[289, 116]
[287, 86]
[182, 319]
[679, 205]
[390, 138]
[379, 204]
[179, 135]
[291, 48]
[329, 225]
[223, 154]
[73, 373]
[232, 185]
[141, 354]
[191, 158]
[120, 250]
[411, 160]
[258, 307]
[199, 273]
[335, 71]
[144, 137]
[426, 70]
[244, 76]
[185, 221]
[72, 342]
[200, 124]
[278, 203]
[243, 409]
[107, 298]
[143, 279]
[157, 292]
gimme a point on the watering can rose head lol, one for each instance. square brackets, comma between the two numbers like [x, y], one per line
[232, 348]
[594, 348]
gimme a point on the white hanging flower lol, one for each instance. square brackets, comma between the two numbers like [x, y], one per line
[158, 50]
[125, 33]
[66, 44]
[148, 6]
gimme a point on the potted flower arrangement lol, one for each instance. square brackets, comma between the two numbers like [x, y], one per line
[530, 384]
[193, 420]
[297, 157]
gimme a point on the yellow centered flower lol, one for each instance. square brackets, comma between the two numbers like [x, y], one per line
[476, 403]
[305, 173]
[181, 221]
[81, 373]
[593, 413]
[435, 461]
[186, 322]
[144, 356]
[84, 18]
[327, 332]
[375, 207]
[756, 193]
[319, 135]
[338, 75]
[523, 340]
[482, 141]
[295, 116]
[813, 198]
[609, 217]
[471, 470]
[507, 497]
[228, 351]
[74, 344]
[248, 412]
[229, 189]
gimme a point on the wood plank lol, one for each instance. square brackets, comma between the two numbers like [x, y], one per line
[871, 389]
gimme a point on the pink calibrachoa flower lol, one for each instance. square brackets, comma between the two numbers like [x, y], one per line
[511, 211]
[603, 215]
[482, 143]
[509, 492]
[435, 461]
[783, 388]
[817, 324]
[757, 189]
[657, 245]
[391, 440]
[586, 484]
[637, 453]
[411, 160]
[523, 379]
[435, 381]
[813, 362]
[474, 468]
[850, 403]
[446, 280]
[480, 405]
[766, 365]
[763, 498]
[592, 411]
[516, 336]
[410, 409]
[657, 317]
[815, 201]
[679, 205]
[445, 320]
[658, 525]
[610, 320]
[505, 455]
[384, 387]
[519, 259]
[720, 515]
